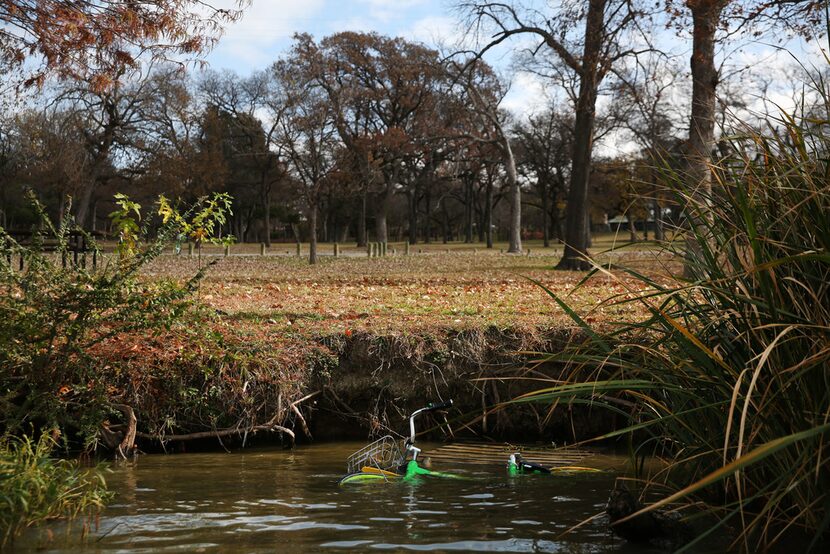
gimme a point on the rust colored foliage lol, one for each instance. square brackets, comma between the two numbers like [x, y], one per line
[96, 40]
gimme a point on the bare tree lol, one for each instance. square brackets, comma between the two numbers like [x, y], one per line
[482, 93]
[307, 139]
[709, 18]
[258, 101]
[591, 53]
[114, 123]
[646, 113]
[544, 142]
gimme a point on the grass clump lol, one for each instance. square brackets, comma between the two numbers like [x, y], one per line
[35, 487]
[728, 380]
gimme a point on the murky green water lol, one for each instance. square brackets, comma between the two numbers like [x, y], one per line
[290, 501]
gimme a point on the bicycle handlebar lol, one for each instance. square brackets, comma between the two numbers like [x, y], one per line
[431, 407]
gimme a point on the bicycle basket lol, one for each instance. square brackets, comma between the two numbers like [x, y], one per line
[384, 454]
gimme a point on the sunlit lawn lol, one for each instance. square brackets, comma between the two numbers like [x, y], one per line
[448, 286]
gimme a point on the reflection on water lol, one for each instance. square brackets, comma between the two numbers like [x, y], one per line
[274, 500]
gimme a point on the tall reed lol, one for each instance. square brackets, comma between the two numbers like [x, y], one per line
[729, 376]
[34, 487]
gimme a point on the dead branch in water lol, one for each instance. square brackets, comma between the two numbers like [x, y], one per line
[299, 414]
[127, 446]
[219, 433]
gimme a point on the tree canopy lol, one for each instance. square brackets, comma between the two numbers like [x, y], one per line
[96, 40]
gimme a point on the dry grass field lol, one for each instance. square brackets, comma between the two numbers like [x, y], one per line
[436, 286]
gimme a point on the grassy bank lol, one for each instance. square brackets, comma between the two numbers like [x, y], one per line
[371, 338]
[156, 349]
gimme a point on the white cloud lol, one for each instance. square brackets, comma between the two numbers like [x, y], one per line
[527, 95]
[434, 31]
[252, 41]
[387, 10]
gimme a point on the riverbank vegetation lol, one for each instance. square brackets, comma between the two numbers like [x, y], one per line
[388, 143]
[424, 324]
[154, 347]
[36, 487]
[62, 306]
[727, 378]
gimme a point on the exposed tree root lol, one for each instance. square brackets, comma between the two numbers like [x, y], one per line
[219, 433]
[126, 449]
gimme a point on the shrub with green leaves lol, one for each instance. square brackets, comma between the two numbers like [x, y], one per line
[53, 313]
[728, 380]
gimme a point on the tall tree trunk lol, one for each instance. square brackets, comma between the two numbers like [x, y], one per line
[101, 147]
[481, 225]
[312, 232]
[428, 217]
[514, 239]
[413, 216]
[705, 18]
[543, 191]
[267, 201]
[83, 202]
[445, 220]
[488, 212]
[658, 220]
[555, 215]
[632, 229]
[362, 239]
[468, 211]
[381, 231]
[577, 231]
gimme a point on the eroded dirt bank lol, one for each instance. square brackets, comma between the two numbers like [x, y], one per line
[348, 348]
[230, 389]
[379, 379]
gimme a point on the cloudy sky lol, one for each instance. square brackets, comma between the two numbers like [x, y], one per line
[266, 29]
[267, 26]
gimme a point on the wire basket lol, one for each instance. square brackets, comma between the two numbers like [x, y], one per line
[384, 454]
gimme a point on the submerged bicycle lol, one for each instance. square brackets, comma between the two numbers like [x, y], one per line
[384, 460]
